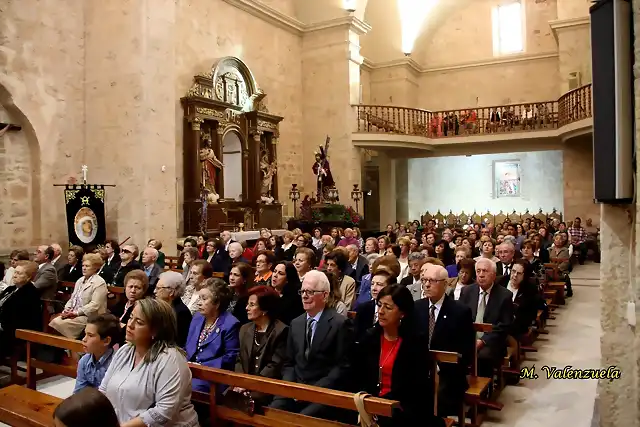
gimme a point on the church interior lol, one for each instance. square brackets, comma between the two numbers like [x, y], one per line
[432, 145]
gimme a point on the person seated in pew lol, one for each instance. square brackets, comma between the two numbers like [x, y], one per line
[359, 266]
[416, 259]
[240, 280]
[73, 270]
[506, 253]
[449, 326]
[136, 284]
[88, 407]
[157, 245]
[201, 270]
[100, 335]
[20, 306]
[128, 263]
[367, 313]
[417, 289]
[264, 262]
[392, 361]
[263, 341]
[14, 257]
[526, 300]
[559, 253]
[388, 263]
[337, 263]
[213, 334]
[317, 348]
[335, 297]
[489, 304]
[466, 276]
[169, 289]
[148, 381]
[461, 253]
[151, 268]
[534, 265]
[286, 283]
[104, 271]
[89, 297]
[190, 255]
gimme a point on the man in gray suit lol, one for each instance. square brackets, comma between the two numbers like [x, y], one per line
[317, 347]
[489, 304]
[58, 262]
[46, 280]
[152, 270]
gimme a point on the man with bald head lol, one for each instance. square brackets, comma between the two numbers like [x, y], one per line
[449, 326]
[489, 304]
[151, 268]
[317, 347]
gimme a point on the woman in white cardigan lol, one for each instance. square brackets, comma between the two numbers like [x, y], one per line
[89, 297]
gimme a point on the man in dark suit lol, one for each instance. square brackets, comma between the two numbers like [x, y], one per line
[449, 326]
[506, 252]
[113, 255]
[317, 347]
[358, 265]
[367, 312]
[46, 280]
[20, 306]
[489, 304]
[151, 268]
[57, 261]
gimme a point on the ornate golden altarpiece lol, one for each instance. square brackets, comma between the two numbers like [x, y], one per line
[224, 105]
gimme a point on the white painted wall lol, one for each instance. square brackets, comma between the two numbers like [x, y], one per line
[466, 183]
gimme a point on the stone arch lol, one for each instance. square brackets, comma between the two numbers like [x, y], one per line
[12, 208]
[233, 64]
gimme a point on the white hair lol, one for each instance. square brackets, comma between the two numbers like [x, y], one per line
[509, 243]
[174, 280]
[353, 247]
[152, 251]
[440, 271]
[492, 264]
[236, 245]
[319, 279]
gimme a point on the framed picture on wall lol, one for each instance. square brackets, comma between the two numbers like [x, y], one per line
[506, 178]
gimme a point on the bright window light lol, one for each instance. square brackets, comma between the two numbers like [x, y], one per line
[349, 5]
[508, 29]
[412, 16]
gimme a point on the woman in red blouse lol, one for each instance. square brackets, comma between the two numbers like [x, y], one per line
[392, 361]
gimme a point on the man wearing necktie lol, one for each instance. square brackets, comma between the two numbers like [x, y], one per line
[506, 252]
[450, 328]
[489, 304]
[317, 347]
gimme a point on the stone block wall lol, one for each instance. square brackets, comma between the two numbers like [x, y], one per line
[577, 158]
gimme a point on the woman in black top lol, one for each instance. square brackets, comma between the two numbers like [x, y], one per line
[286, 282]
[73, 270]
[240, 279]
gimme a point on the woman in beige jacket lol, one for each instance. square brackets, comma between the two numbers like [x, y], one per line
[89, 297]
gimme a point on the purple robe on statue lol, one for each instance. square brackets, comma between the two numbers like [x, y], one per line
[324, 180]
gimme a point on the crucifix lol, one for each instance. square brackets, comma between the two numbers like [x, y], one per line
[84, 174]
[5, 127]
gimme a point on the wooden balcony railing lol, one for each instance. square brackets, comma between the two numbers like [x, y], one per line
[571, 107]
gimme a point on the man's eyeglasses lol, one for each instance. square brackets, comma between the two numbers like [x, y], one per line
[308, 292]
[125, 251]
[430, 281]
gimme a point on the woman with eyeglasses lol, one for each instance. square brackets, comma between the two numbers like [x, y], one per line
[392, 361]
[136, 284]
[169, 289]
[264, 261]
[263, 341]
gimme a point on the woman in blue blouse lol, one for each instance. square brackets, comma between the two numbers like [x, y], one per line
[213, 334]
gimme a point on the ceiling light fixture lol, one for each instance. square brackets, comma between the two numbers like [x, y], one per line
[350, 5]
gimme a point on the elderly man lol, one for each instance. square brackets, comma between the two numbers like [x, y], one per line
[416, 259]
[169, 288]
[506, 253]
[489, 304]
[418, 289]
[151, 268]
[46, 280]
[348, 238]
[226, 239]
[449, 326]
[358, 264]
[57, 260]
[128, 255]
[317, 347]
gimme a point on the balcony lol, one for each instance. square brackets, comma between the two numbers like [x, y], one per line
[534, 126]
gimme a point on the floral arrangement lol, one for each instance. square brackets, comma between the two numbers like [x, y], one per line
[328, 212]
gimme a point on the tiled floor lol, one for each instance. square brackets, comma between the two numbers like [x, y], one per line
[574, 339]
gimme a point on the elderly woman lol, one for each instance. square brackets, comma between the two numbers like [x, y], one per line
[264, 262]
[240, 279]
[73, 270]
[487, 249]
[14, 258]
[461, 253]
[201, 270]
[169, 289]
[404, 243]
[89, 297]
[263, 341]
[157, 245]
[148, 381]
[213, 333]
[190, 254]
[392, 361]
[337, 263]
[136, 284]
[466, 276]
[305, 261]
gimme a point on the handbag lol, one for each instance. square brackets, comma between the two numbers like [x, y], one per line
[364, 418]
[239, 401]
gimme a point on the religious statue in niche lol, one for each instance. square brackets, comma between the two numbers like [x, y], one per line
[210, 168]
[507, 178]
[269, 170]
[322, 171]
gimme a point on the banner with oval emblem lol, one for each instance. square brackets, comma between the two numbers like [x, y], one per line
[85, 215]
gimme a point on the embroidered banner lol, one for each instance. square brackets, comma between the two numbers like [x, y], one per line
[85, 215]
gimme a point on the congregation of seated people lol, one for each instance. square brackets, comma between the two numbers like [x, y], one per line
[334, 311]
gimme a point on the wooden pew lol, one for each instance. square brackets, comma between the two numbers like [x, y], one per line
[23, 407]
[171, 262]
[445, 357]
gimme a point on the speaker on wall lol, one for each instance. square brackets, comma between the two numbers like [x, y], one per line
[613, 109]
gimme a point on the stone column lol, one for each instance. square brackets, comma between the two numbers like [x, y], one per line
[131, 115]
[331, 85]
[388, 194]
